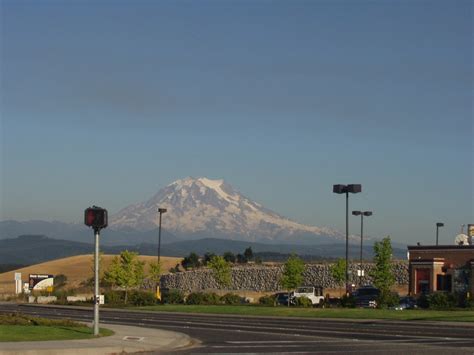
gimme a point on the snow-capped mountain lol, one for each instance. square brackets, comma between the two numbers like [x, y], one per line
[211, 208]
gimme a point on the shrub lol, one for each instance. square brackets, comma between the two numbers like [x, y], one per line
[387, 299]
[203, 298]
[348, 301]
[266, 301]
[441, 300]
[422, 301]
[231, 298]
[60, 280]
[175, 269]
[114, 297]
[142, 298]
[303, 302]
[463, 300]
[62, 295]
[173, 296]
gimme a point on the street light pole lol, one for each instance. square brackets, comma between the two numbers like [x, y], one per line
[160, 211]
[362, 214]
[439, 224]
[347, 241]
[345, 189]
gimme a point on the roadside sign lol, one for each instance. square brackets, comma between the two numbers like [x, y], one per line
[17, 276]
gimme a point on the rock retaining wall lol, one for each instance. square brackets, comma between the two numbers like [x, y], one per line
[266, 278]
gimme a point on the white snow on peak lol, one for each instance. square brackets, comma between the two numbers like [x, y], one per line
[178, 184]
[216, 185]
[213, 184]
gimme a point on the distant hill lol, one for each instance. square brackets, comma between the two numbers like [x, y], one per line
[31, 249]
[318, 252]
[77, 269]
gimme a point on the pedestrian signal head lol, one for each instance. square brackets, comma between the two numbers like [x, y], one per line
[95, 217]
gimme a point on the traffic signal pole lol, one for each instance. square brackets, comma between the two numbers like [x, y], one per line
[96, 282]
[96, 217]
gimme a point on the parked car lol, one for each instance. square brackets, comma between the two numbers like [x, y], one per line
[406, 302]
[281, 298]
[314, 294]
[366, 296]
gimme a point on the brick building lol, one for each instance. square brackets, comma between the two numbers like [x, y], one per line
[447, 268]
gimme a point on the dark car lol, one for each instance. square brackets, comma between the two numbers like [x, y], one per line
[407, 303]
[366, 296]
[281, 298]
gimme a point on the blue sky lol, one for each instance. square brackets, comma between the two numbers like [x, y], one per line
[106, 102]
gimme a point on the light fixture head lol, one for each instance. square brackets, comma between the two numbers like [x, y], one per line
[339, 189]
[367, 213]
[356, 213]
[354, 188]
[162, 210]
[439, 224]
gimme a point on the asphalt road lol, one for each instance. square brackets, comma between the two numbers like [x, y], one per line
[238, 334]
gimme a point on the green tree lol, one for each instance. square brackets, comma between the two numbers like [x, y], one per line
[292, 275]
[248, 253]
[221, 270]
[191, 261]
[241, 259]
[338, 272]
[126, 272]
[382, 273]
[154, 272]
[207, 258]
[229, 257]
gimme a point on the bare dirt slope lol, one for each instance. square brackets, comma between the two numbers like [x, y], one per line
[76, 268]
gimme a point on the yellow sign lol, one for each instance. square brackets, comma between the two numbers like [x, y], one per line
[158, 293]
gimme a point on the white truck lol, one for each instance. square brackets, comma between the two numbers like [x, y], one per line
[315, 294]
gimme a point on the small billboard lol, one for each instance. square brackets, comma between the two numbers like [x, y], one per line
[39, 282]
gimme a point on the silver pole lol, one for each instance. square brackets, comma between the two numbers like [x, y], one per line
[96, 284]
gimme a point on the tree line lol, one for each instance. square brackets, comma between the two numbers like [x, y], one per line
[194, 261]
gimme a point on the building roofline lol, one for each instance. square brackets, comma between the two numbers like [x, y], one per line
[440, 247]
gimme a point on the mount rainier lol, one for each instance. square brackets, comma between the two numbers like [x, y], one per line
[201, 207]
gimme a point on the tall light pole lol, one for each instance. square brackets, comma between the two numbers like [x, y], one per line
[160, 211]
[439, 224]
[345, 189]
[361, 214]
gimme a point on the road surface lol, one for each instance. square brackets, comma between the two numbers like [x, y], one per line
[241, 334]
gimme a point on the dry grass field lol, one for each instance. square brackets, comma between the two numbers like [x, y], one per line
[76, 268]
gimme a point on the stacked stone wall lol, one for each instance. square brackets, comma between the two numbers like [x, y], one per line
[266, 278]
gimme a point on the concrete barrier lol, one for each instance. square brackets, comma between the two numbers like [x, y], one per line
[77, 298]
[46, 299]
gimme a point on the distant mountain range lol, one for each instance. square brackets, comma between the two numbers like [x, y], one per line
[32, 249]
[203, 215]
[197, 208]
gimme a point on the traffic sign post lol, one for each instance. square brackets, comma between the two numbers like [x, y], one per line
[96, 218]
[18, 282]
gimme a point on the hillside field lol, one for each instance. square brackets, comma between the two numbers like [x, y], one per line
[76, 268]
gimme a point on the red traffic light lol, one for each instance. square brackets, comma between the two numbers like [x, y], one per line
[95, 217]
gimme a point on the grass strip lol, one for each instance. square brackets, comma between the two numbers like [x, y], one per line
[460, 315]
[42, 332]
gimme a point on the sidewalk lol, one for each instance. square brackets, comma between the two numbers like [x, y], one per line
[125, 340]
